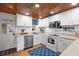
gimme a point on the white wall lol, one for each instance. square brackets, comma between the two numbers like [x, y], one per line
[7, 41]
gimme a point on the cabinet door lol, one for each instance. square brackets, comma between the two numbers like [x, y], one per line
[66, 18]
[20, 43]
[60, 45]
[44, 22]
[23, 20]
[44, 39]
[36, 39]
[75, 16]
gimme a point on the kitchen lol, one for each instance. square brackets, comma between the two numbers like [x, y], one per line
[39, 29]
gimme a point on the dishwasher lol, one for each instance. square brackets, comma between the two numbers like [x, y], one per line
[28, 41]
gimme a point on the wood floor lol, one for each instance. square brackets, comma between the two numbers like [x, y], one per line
[24, 52]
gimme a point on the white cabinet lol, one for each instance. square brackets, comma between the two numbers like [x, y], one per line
[63, 19]
[23, 20]
[36, 39]
[7, 16]
[66, 18]
[40, 38]
[75, 16]
[60, 45]
[24, 42]
[40, 23]
[20, 43]
[70, 17]
[55, 17]
[44, 39]
[63, 44]
[44, 22]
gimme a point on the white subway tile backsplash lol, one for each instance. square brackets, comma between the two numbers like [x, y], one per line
[27, 29]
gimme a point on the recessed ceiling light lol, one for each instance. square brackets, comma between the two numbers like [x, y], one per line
[11, 7]
[51, 12]
[27, 13]
[40, 17]
[74, 3]
[37, 5]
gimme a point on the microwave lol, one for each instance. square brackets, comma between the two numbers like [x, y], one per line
[55, 24]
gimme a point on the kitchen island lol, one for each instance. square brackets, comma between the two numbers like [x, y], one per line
[73, 49]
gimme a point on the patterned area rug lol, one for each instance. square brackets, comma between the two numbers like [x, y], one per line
[42, 51]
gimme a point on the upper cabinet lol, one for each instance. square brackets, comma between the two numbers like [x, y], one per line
[66, 18]
[23, 20]
[54, 18]
[70, 17]
[7, 16]
[75, 16]
[43, 22]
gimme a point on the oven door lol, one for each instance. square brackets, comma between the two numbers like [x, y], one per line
[52, 43]
[51, 40]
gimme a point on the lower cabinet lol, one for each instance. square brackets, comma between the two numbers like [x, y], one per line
[20, 43]
[60, 45]
[40, 38]
[44, 38]
[63, 43]
[24, 42]
[36, 39]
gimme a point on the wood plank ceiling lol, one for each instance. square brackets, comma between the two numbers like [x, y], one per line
[43, 11]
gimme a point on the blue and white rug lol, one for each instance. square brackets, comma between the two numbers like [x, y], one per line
[42, 51]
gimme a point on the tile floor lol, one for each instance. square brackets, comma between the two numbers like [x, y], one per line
[42, 51]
